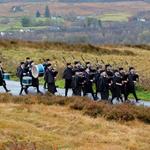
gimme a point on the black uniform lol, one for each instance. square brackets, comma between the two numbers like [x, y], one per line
[88, 84]
[96, 80]
[35, 81]
[117, 88]
[27, 66]
[131, 85]
[2, 81]
[50, 79]
[45, 68]
[21, 73]
[77, 83]
[110, 75]
[124, 84]
[67, 75]
[103, 87]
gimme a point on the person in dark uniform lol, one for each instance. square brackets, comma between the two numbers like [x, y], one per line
[77, 79]
[103, 85]
[124, 77]
[88, 65]
[132, 79]
[50, 76]
[109, 71]
[88, 83]
[67, 75]
[117, 86]
[97, 79]
[77, 67]
[77, 83]
[46, 62]
[35, 81]
[27, 64]
[2, 81]
[21, 72]
[110, 74]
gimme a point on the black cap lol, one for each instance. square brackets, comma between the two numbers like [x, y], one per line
[87, 63]
[116, 70]
[49, 65]
[121, 68]
[131, 68]
[47, 59]
[108, 65]
[68, 64]
[21, 63]
[27, 57]
[76, 62]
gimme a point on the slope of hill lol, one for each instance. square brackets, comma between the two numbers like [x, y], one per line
[26, 125]
[12, 52]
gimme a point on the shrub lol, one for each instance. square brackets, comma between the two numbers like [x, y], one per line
[78, 104]
[123, 112]
[120, 113]
[93, 110]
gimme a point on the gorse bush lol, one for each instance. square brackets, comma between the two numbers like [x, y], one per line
[121, 112]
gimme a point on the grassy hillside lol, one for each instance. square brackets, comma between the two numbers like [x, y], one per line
[12, 52]
[38, 123]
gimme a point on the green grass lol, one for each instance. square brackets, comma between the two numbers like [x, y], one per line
[119, 17]
[15, 23]
[12, 26]
[142, 94]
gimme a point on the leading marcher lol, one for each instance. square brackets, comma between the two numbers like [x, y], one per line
[2, 81]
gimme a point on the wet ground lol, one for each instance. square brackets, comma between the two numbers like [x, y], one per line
[14, 86]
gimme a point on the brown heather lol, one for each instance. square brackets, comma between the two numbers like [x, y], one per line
[120, 112]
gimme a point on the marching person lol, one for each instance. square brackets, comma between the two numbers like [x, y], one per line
[117, 87]
[132, 79]
[103, 85]
[77, 83]
[78, 79]
[110, 74]
[46, 62]
[50, 77]
[67, 75]
[77, 66]
[27, 64]
[88, 65]
[124, 77]
[2, 81]
[88, 83]
[35, 81]
[21, 72]
[97, 80]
